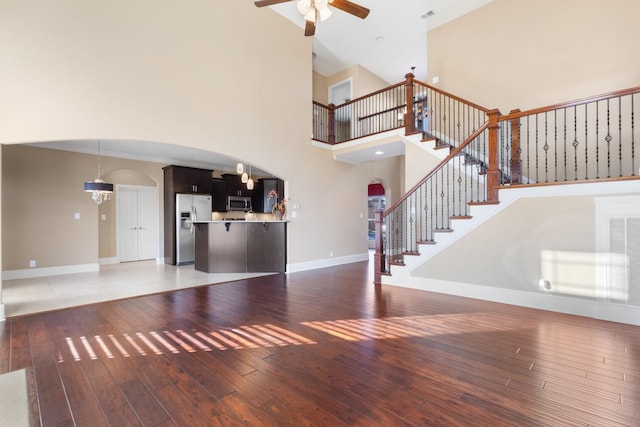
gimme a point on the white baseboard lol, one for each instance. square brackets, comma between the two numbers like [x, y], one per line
[327, 262]
[612, 312]
[110, 260]
[49, 271]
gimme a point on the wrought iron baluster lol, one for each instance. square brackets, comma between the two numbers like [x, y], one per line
[555, 144]
[586, 141]
[410, 231]
[575, 143]
[620, 135]
[565, 144]
[633, 133]
[545, 147]
[529, 147]
[608, 139]
[597, 140]
[432, 212]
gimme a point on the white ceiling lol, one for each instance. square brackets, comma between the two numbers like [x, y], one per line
[340, 42]
[343, 40]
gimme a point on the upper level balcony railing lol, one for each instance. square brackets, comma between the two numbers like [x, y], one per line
[588, 139]
[430, 111]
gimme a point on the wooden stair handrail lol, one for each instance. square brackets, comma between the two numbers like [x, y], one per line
[452, 96]
[451, 155]
[435, 89]
[518, 114]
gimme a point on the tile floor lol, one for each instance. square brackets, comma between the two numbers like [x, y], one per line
[40, 294]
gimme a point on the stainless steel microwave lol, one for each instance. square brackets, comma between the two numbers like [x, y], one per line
[238, 203]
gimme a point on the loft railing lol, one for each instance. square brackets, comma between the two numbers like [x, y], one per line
[377, 112]
[430, 111]
[585, 140]
[589, 139]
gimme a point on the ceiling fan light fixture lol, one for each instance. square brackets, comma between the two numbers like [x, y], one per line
[304, 6]
[311, 15]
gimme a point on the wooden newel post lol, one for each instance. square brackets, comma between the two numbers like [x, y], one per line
[378, 257]
[332, 124]
[515, 148]
[408, 115]
[493, 172]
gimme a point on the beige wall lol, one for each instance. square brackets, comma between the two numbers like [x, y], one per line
[320, 88]
[416, 162]
[363, 83]
[187, 75]
[505, 252]
[42, 192]
[522, 54]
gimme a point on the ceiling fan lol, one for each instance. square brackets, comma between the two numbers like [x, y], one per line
[314, 10]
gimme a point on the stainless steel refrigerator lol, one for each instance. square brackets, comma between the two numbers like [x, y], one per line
[189, 208]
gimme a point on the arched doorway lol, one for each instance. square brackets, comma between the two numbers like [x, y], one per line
[376, 201]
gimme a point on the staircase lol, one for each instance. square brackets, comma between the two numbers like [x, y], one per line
[592, 139]
[482, 152]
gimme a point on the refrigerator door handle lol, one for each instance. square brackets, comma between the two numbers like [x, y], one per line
[194, 217]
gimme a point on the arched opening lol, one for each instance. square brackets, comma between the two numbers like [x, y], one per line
[376, 201]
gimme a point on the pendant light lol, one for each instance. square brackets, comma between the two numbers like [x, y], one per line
[250, 180]
[99, 189]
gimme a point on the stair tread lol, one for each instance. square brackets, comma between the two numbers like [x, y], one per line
[483, 203]
[426, 242]
[443, 230]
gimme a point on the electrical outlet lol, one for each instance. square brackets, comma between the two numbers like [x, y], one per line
[32, 263]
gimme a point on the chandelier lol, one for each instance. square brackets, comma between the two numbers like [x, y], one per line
[314, 9]
[99, 189]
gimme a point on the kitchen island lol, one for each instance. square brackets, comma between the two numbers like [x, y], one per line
[240, 246]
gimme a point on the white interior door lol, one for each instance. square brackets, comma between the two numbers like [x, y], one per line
[137, 219]
[340, 93]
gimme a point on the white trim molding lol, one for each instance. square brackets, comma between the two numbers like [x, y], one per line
[49, 271]
[327, 262]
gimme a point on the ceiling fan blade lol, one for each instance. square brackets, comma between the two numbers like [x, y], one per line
[349, 7]
[309, 28]
[263, 3]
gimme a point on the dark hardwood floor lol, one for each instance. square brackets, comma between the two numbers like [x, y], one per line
[322, 348]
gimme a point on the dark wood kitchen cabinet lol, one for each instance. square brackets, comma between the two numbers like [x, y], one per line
[179, 179]
[188, 180]
[219, 193]
[260, 200]
[235, 187]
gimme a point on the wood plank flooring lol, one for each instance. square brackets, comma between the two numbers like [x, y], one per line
[322, 348]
